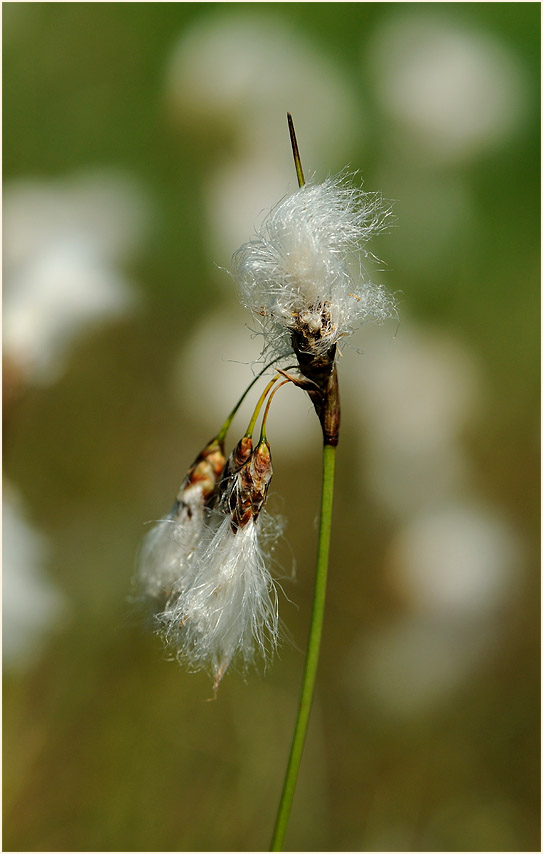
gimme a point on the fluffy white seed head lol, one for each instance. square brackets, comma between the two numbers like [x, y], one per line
[164, 553]
[165, 550]
[229, 609]
[303, 273]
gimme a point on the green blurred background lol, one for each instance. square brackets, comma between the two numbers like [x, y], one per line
[141, 143]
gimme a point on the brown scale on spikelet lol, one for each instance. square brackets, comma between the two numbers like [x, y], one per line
[251, 487]
[204, 473]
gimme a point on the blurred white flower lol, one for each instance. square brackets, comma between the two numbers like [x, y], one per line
[455, 561]
[64, 241]
[231, 78]
[104, 211]
[236, 193]
[455, 92]
[414, 394]
[407, 483]
[50, 302]
[32, 606]
[239, 73]
[412, 665]
[417, 390]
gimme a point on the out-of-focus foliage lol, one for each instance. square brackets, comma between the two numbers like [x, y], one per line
[141, 144]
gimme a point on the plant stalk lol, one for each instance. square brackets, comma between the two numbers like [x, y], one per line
[313, 646]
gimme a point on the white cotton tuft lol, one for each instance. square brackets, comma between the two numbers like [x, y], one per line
[229, 608]
[303, 274]
[163, 555]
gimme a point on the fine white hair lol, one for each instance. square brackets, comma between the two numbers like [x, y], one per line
[163, 556]
[303, 270]
[228, 608]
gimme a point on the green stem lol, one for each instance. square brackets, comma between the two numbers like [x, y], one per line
[313, 645]
[221, 435]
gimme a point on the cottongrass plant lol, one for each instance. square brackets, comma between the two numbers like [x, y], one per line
[206, 563]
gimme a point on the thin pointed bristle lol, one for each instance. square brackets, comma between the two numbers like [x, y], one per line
[295, 151]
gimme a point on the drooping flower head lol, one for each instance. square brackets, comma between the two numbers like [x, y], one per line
[205, 564]
[229, 608]
[164, 553]
[302, 276]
